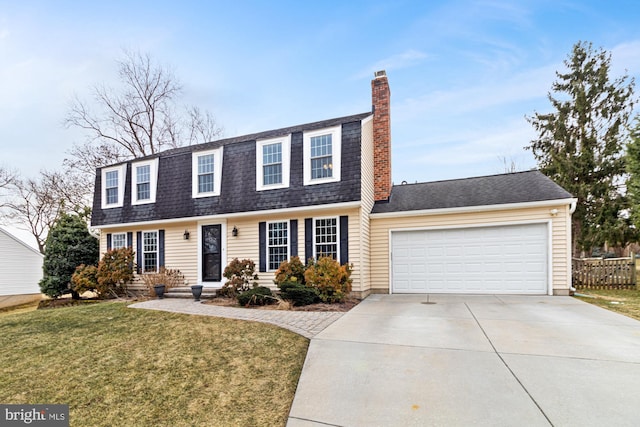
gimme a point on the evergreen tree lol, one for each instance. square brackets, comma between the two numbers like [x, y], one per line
[633, 168]
[68, 245]
[580, 145]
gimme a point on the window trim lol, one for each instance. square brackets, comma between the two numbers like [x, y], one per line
[113, 239]
[217, 172]
[285, 142]
[121, 170]
[288, 244]
[337, 243]
[336, 154]
[153, 181]
[157, 252]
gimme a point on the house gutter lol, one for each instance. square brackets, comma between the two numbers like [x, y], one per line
[481, 208]
[227, 216]
[572, 207]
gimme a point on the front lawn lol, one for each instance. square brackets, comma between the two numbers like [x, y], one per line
[117, 366]
[623, 301]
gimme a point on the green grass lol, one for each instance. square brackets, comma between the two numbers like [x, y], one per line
[117, 366]
[623, 301]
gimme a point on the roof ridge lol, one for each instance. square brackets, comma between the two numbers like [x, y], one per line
[241, 138]
[467, 178]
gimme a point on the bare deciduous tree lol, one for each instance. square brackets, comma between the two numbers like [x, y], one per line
[7, 180]
[35, 204]
[137, 119]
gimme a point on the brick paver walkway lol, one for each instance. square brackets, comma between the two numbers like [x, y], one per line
[305, 323]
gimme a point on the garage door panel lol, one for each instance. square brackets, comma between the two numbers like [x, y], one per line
[504, 259]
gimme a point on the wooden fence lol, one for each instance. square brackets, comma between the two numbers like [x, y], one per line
[604, 273]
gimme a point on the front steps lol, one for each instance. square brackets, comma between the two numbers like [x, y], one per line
[185, 292]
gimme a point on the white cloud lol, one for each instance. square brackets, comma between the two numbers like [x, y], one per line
[526, 86]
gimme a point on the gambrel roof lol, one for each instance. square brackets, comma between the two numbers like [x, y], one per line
[238, 184]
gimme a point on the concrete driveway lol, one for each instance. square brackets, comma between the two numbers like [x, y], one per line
[472, 360]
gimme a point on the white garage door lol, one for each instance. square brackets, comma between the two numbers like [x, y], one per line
[488, 260]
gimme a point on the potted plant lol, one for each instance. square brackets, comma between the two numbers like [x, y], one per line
[159, 290]
[162, 280]
[196, 290]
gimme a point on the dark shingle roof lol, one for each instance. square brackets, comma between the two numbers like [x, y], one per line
[238, 186]
[519, 187]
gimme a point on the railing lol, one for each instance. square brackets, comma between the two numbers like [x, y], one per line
[604, 273]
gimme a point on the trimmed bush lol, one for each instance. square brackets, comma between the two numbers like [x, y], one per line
[115, 272]
[332, 280]
[240, 277]
[290, 271]
[298, 293]
[260, 295]
[85, 278]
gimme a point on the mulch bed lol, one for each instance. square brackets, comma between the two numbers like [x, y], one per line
[345, 306]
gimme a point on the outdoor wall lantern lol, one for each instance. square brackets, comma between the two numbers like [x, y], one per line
[554, 212]
[234, 232]
[185, 236]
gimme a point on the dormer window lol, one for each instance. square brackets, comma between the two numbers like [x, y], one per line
[322, 155]
[206, 173]
[144, 182]
[113, 186]
[273, 163]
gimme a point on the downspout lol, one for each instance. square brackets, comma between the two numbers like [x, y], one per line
[572, 209]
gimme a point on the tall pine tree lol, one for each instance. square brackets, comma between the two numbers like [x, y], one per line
[633, 168]
[580, 145]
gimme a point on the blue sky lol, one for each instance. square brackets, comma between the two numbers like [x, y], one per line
[463, 74]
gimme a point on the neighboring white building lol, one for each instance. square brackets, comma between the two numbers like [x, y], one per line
[20, 271]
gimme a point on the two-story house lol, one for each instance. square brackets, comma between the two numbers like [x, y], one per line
[324, 188]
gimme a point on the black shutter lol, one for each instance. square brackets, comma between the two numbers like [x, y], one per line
[344, 239]
[293, 237]
[139, 252]
[130, 245]
[109, 241]
[308, 239]
[262, 241]
[161, 248]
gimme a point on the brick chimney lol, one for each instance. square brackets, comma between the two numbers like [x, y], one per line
[380, 98]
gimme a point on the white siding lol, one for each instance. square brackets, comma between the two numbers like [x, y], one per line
[560, 236]
[20, 266]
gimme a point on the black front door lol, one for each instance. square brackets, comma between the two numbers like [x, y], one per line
[212, 253]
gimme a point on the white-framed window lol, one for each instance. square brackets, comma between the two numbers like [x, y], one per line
[144, 182]
[150, 251]
[326, 237]
[113, 186]
[322, 150]
[118, 240]
[277, 244]
[206, 173]
[273, 163]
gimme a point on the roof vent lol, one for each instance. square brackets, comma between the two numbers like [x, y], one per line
[381, 73]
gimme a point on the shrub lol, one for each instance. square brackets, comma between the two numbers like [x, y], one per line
[170, 278]
[330, 278]
[298, 293]
[68, 245]
[115, 271]
[240, 277]
[290, 271]
[85, 278]
[260, 295]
